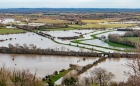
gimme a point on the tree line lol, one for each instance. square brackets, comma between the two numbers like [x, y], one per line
[121, 40]
[32, 49]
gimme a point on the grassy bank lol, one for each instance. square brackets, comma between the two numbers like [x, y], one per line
[61, 74]
[4, 30]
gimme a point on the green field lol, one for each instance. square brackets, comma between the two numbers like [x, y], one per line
[101, 25]
[4, 30]
[117, 44]
[133, 39]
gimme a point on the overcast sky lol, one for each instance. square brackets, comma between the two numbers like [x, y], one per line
[69, 3]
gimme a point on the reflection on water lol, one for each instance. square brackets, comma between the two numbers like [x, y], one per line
[44, 64]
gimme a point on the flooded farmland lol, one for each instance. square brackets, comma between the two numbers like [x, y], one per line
[45, 64]
[32, 38]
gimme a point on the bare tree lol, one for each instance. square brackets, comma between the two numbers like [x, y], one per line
[101, 76]
[134, 70]
[133, 65]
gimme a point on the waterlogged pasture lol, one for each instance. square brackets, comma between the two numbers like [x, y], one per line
[68, 33]
[32, 38]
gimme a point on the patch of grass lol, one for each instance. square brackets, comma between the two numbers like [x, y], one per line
[134, 39]
[61, 74]
[117, 44]
[4, 30]
[101, 25]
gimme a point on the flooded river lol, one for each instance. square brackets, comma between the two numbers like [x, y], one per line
[46, 64]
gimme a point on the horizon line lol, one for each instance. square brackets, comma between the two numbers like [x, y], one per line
[66, 8]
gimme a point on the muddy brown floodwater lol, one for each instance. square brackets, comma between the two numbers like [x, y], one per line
[44, 64]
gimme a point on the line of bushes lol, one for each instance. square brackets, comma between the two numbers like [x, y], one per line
[85, 68]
